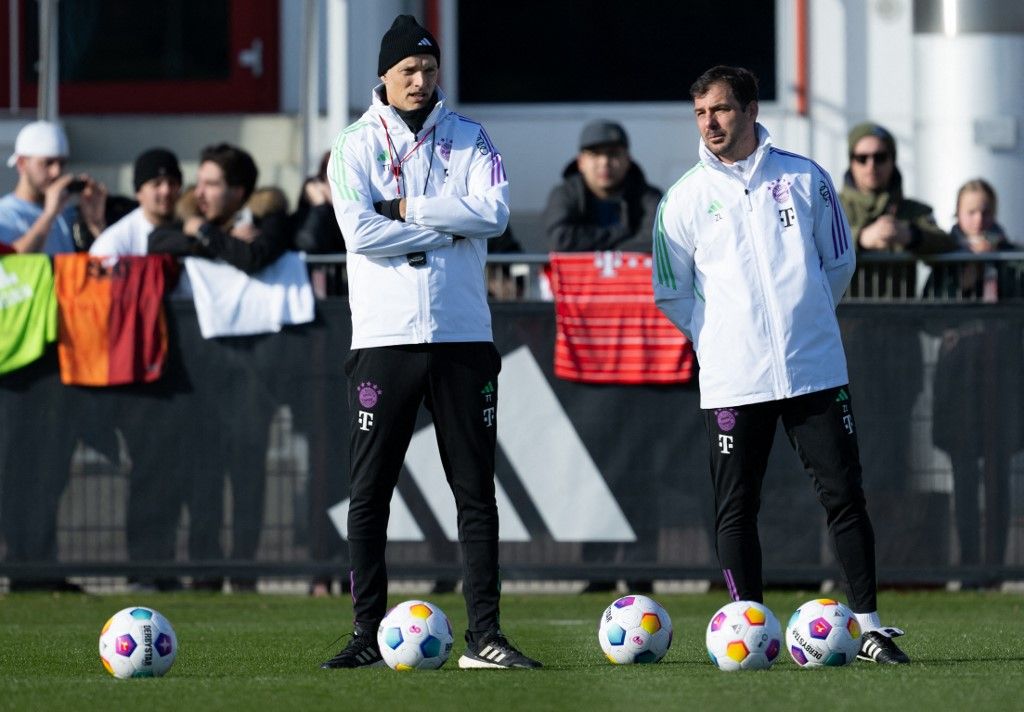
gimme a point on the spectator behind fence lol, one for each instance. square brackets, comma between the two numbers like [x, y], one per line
[316, 229]
[417, 235]
[977, 232]
[881, 217]
[157, 487]
[233, 399]
[37, 215]
[157, 181]
[225, 228]
[976, 413]
[604, 201]
[884, 221]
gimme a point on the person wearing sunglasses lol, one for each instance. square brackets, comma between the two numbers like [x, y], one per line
[881, 217]
[883, 220]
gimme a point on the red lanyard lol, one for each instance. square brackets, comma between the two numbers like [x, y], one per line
[396, 168]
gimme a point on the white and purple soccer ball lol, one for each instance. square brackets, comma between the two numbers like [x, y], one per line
[743, 635]
[635, 629]
[823, 633]
[137, 642]
[415, 635]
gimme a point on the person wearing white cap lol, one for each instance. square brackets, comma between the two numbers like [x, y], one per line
[36, 217]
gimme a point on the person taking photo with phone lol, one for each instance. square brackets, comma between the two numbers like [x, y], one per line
[38, 215]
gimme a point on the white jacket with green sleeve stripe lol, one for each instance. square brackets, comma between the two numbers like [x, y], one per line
[455, 186]
[750, 266]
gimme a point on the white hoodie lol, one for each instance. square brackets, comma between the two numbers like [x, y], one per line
[454, 183]
[750, 263]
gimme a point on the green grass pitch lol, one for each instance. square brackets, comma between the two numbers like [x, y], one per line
[254, 652]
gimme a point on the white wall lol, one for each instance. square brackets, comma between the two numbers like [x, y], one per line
[861, 66]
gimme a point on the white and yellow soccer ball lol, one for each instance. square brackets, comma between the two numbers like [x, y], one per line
[823, 633]
[415, 635]
[138, 642]
[635, 629]
[743, 635]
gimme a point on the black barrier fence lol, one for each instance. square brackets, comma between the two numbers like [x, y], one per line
[235, 463]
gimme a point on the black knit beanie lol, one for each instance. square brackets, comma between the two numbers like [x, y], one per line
[155, 163]
[405, 38]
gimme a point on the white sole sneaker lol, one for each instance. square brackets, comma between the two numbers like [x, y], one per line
[468, 663]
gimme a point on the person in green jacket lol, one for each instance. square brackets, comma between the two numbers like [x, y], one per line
[881, 217]
[888, 385]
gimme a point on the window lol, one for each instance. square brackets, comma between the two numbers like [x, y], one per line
[167, 57]
[604, 50]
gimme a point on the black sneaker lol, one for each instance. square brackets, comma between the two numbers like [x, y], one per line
[877, 646]
[361, 651]
[494, 651]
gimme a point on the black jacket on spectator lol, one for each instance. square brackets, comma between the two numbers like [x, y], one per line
[273, 240]
[571, 223]
[316, 227]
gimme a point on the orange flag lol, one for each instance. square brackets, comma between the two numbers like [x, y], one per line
[112, 325]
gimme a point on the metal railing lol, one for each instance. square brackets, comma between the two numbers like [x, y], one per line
[880, 278]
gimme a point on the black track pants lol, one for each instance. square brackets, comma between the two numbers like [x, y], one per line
[458, 382]
[822, 430]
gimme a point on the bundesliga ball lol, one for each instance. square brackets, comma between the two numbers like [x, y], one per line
[137, 642]
[823, 632]
[743, 635]
[635, 629]
[415, 635]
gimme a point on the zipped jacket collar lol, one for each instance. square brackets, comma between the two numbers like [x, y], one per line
[395, 122]
[764, 144]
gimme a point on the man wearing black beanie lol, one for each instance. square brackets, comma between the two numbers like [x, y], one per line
[157, 181]
[418, 191]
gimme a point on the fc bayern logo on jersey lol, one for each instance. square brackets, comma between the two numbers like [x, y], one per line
[444, 148]
[369, 394]
[726, 418]
[780, 190]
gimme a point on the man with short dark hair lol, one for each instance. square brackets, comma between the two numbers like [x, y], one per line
[418, 191]
[752, 254]
[604, 201]
[225, 228]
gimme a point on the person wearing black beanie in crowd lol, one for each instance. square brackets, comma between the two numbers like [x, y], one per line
[418, 191]
[157, 181]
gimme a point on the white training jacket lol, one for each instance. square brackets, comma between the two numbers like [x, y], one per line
[751, 271]
[455, 185]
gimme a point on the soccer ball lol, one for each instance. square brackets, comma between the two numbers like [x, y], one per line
[137, 642]
[635, 629]
[415, 635]
[743, 635]
[823, 632]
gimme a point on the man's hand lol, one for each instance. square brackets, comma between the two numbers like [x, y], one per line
[245, 231]
[93, 205]
[56, 197]
[884, 233]
[192, 225]
[317, 192]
